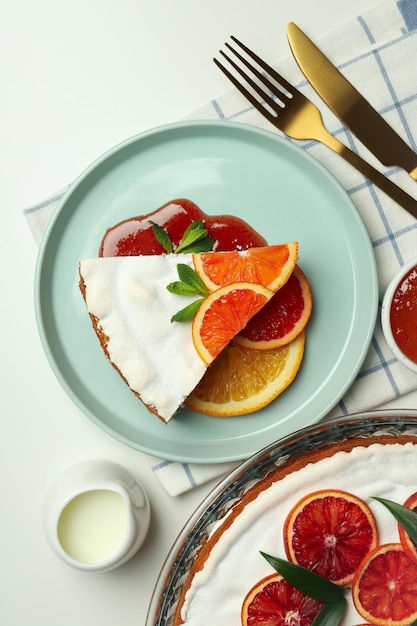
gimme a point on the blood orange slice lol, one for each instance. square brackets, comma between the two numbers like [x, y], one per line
[242, 381]
[410, 548]
[274, 602]
[223, 314]
[270, 266]
[282, 319]
[330, 532]
[384, 589]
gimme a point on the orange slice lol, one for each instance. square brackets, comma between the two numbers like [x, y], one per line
[410, 548]
[242, 381]
[330, 532]
[282, 319]
[223, 314]
[384, 590]
[270, 266]
[275, 602]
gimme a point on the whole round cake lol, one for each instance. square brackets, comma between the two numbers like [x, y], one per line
[229, 568]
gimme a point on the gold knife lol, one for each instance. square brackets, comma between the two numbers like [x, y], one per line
[349, 105]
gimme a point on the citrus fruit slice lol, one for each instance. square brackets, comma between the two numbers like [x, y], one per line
[282, 319]
[384, 589]
[223, 314]
[241, 381]
[410, 548]
[330, 532]
[275, 602]
[270, 266]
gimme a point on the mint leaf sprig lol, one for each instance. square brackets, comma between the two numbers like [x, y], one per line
[311, 584]
[195, 239]
[190, 284]
[162, 237]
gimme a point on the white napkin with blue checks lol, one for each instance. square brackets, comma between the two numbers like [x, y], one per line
[377, 52]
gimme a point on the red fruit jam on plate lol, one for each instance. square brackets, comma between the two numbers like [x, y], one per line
[399, 315]
[135, 236]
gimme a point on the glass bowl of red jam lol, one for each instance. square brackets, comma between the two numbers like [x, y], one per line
[399, 315]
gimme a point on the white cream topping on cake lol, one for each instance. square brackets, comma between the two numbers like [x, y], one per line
[156, 357]
[235, 564]
[132, 309]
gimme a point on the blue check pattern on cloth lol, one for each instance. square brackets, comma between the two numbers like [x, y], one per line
[377, 52]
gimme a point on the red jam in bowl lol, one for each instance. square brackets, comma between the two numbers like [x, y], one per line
[403, 315]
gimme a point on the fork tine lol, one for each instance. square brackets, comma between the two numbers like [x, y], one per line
[270, 107]
[270, 70]
[276, 90]
[252, 99]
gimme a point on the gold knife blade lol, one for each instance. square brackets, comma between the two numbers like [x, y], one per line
[349, 105]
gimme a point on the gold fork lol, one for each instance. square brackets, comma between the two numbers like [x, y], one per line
[296, 116]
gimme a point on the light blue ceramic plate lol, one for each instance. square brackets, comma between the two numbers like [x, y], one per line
[224, 168]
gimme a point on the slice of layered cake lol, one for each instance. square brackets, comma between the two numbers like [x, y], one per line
[162, 319]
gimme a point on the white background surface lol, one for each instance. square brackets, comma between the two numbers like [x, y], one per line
[78, 77]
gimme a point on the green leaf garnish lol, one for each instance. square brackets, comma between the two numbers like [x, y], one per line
[162, 237]
[187, 313]
[181, 289]
[189, 284]
[306, 581]
[407, 518]
[195, 239]
[202, 245]
[330, 614]
[190, 277]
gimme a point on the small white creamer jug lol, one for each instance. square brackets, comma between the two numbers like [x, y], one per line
[96, 515]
